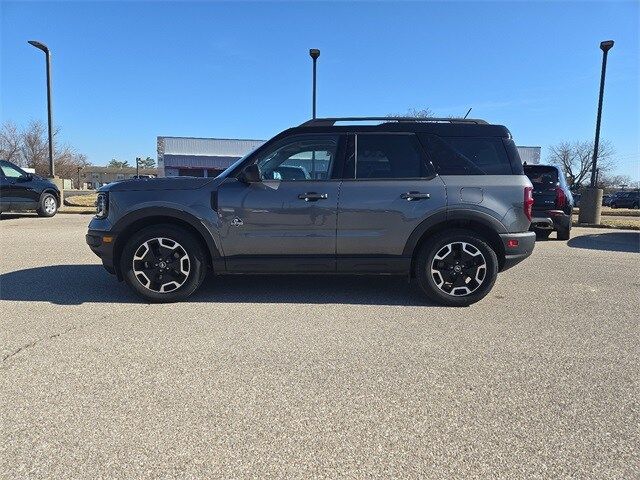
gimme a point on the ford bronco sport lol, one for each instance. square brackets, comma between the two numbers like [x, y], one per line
[444, 201]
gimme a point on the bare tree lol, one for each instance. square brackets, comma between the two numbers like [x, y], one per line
[575, 159]
[29, 147]
[414, 112]
[10, 141]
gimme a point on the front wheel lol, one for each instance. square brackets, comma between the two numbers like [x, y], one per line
[163, 263]
[456, 268]
[48, 206]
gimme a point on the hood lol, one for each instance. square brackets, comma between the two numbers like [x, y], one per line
[165, 183]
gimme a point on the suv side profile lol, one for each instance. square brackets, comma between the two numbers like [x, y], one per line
[442, 200]
[21, 191]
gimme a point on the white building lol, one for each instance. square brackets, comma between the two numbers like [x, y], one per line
[200, 157]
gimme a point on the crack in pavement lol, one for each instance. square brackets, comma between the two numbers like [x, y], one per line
[40, 340]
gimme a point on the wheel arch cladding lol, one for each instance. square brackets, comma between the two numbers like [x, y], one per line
[430, 227]
[136, 221]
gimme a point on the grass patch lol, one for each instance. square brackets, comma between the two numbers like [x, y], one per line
[626, 223]
[81, 200]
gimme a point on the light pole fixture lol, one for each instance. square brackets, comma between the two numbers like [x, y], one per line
[605, 47]
[47, 53]
[314, 53]
[591, 200]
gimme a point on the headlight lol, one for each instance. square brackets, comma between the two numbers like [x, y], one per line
[102, 205]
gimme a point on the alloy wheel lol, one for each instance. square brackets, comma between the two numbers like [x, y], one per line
[161, 265]
[50, 205]
[458, 269]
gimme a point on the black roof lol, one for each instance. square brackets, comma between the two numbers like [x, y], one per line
[457, 127]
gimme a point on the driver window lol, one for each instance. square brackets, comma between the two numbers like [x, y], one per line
[308, 157]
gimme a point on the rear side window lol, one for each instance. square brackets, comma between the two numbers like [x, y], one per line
[467, 155]
[386, 156]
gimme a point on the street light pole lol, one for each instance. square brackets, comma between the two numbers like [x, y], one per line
[314, 53]
[47, 52]
[591, 201]
[605, 47]
[137, 167]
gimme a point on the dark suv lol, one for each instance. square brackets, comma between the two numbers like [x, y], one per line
[626, 200]
[552, 201]
[442, 200]
[20, 191]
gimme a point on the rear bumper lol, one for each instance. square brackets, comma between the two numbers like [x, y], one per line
[104, 250]
[550, 220]
[517, 247]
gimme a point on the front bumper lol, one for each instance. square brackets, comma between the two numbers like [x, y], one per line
[550, 220]
[517, 247]
[102, 244]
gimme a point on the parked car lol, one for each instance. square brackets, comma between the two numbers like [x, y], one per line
[22, 191]
[552, 201]
[626, 200]
[443, 200]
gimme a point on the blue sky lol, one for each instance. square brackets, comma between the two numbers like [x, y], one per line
[127, 72]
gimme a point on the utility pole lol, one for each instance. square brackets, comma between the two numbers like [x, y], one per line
[137, 167]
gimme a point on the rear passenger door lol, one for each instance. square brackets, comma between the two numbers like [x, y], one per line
[389, 188]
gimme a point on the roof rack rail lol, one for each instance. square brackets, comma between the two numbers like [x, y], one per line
[329, 122]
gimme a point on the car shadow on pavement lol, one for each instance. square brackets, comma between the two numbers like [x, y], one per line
[78, 284]
[612, 242]
[13, 215]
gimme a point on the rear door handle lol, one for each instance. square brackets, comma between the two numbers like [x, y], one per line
[313, 196]
[412, 196]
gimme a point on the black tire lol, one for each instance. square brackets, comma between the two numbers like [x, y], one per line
[187, 244]
[48, 205]
[433, 245]
[542, 234]
[635, 206]
[564, 233]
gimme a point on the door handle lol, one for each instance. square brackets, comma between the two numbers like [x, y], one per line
[313, 196]
[412, 196]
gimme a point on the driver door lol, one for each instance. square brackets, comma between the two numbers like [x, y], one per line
[287, 221]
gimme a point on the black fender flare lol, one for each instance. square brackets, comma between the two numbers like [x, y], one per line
[444, 217]
[131, 218]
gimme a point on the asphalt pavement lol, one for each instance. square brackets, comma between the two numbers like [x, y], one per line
[324, 376]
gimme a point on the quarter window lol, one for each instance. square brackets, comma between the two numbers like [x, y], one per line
[467, 155]
[307, 157]
[380, 156]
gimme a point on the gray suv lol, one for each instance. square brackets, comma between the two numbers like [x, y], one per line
[444, 201]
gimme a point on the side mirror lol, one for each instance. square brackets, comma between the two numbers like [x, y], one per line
[250, 174]
[26, 178]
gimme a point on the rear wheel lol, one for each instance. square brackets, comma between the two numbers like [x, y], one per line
[542, 234]
[456, 268]
[163, 263]
[564, 233]
[48, 205]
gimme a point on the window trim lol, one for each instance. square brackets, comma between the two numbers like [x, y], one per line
[426, 160]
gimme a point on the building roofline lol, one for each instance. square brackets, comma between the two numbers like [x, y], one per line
[215, 138]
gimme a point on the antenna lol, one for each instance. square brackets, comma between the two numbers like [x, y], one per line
[468, 112]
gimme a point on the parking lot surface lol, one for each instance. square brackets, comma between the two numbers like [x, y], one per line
[299, 377]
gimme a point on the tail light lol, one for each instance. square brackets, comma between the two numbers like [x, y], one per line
[528, 202]
[561, 198]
